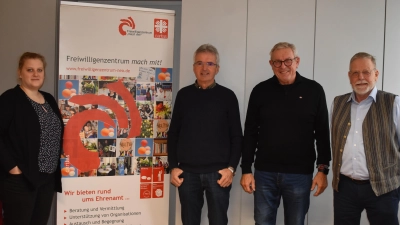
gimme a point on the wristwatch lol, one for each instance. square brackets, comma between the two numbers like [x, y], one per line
[323, 168]
[232, 170]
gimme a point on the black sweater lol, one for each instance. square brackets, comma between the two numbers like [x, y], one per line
[20, 136]
[205, 133]
[283, 122]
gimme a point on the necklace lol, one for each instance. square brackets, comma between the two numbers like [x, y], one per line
[43, 108]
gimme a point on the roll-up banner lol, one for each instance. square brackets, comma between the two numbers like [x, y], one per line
[114, 94]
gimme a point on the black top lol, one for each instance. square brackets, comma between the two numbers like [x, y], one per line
[205, 133]
[20, 136]
[284, 123]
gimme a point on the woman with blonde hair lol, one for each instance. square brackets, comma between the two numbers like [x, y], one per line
[31, 131]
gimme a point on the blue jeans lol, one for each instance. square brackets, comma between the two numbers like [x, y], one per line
[353, 198]
[294, 190]
[191, 194]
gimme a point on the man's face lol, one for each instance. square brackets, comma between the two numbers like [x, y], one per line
[285, 74]
[204, 72]
[363, 76]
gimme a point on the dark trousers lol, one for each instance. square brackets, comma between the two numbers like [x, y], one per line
[353, 198]
[24, 206]
[191, 195]
[1, 213]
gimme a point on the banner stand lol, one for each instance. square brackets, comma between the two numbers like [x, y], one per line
[115, 96]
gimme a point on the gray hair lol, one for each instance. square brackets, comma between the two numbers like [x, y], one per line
[282, 45]
[207, 48]
[363, 55]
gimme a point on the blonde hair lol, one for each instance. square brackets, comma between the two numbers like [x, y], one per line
[31, 55]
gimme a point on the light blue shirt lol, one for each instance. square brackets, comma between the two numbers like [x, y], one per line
[354, 163]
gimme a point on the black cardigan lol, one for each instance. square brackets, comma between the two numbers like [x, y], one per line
[20, 136]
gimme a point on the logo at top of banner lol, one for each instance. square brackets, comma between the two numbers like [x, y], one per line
[161, 28]
[128, 27]
[126, 22]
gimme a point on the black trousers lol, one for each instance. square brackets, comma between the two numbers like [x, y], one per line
[24, 206]
[354, 197]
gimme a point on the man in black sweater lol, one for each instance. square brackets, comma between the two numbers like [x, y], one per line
[204, 142]
[286, 115]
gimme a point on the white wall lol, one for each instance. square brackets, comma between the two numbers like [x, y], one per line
[391, 81]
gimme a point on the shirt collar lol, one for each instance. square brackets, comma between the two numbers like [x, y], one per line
[209, 87]
[297, 79]
[372, 95]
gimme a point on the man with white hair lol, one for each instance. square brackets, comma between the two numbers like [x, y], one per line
[286, 117]
[365, 145]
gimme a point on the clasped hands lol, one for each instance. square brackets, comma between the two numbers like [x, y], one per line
[225, 180]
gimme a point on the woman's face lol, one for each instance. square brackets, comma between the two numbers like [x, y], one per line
[32, 74]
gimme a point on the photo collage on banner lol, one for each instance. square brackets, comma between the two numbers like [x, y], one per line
[146, 154]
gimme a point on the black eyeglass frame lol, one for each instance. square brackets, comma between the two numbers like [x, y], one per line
[287, 62]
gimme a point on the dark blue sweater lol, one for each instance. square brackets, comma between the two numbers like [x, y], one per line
[284, 123]
[205, 133]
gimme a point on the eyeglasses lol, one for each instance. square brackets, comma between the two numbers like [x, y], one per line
[200, 63]
[287, 62]
[365, 73]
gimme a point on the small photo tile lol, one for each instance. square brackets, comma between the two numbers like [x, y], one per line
[163, 74]
[68, 88]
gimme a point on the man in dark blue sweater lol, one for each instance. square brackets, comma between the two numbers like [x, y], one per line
[286, 115]
[204, 142]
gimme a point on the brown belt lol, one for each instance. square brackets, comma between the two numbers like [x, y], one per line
[354, 180]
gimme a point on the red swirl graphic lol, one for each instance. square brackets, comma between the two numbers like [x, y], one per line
[126, 22]
[79, 156]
